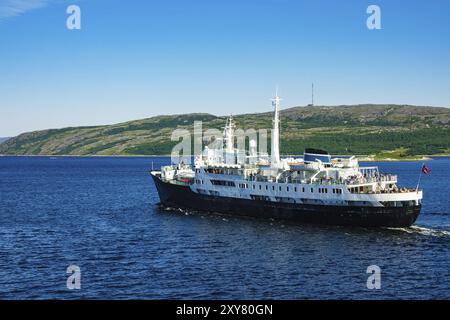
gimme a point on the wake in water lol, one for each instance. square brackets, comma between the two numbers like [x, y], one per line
[423, 231]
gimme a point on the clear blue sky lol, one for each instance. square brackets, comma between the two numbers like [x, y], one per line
[134, 59]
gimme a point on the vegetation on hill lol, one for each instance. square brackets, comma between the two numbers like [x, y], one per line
[360, 129]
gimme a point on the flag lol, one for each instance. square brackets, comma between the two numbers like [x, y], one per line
[425, 169]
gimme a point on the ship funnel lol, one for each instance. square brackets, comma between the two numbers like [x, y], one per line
[316, 155]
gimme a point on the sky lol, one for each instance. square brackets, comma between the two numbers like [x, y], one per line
[136, 59]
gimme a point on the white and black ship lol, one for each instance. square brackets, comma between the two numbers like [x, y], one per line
[316, 189]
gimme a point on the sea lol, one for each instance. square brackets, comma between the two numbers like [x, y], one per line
[92, 228]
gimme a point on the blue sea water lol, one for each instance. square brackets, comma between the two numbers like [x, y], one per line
[101, 214]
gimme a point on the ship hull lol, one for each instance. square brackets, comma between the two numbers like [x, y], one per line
[181, 196]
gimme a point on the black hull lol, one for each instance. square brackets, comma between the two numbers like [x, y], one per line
[181, 196]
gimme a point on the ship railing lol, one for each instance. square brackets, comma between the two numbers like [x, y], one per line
[401, 190]
[351, 181]
[371, 179]
[258, 179]
[387, 191]
[316, 182]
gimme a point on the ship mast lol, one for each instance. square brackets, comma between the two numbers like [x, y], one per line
[275, 146]
[229, 141]
[229, 135]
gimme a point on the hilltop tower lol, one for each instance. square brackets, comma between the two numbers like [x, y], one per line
[312, 96]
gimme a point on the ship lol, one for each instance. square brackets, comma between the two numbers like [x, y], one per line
[314, 189]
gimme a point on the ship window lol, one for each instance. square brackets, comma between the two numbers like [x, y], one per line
[273, 188]
[259, 187]
[253, 186]
[280, 188]
[287, 189]
[295, 189]
[320, 190]
[312, 190]
[267, 187]
[303, 189]
[223, 183]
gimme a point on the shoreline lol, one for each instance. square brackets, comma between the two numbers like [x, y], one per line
[361, 158]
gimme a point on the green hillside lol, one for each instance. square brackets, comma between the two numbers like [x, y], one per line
[359, 129]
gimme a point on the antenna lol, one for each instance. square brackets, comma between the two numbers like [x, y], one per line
[312, 94]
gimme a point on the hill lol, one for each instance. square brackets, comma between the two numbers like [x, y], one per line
[3, 139]
[353, 129]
